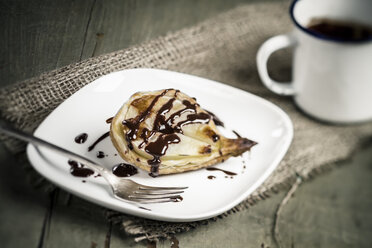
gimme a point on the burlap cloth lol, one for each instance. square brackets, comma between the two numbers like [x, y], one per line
[223, 49]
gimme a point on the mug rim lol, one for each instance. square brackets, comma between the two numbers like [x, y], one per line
[318, 35]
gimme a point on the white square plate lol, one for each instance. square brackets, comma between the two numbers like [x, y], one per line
[87, 110]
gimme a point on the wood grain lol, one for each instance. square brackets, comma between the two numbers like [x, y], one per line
[40, 35]
[333, 210]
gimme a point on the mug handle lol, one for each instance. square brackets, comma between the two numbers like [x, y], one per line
[267, 48]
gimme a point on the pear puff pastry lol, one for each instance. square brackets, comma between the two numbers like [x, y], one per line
[166, 132]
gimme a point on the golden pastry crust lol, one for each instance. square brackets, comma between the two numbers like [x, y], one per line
[168, 130]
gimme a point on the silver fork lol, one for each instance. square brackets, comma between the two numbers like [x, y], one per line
[123, 189]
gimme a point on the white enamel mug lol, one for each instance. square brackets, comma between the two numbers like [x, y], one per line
[332, 78]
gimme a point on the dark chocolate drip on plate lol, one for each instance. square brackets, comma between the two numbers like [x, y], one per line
[81, 138]
[100, 154]
[78, 169]
[124, 170]
[225, 171]
[105, 135]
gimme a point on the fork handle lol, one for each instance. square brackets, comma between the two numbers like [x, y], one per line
[16, 133]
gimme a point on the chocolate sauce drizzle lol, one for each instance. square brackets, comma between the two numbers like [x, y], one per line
[109, 120]
[217, 121]
[225, 171]
[166, 127]
[81, 138]
[160, 124]
[158, 149]
[105, 135]
[78, 170]
[124, 170]
[176, 92]
[236, 133]
[120, 170]
[134, 123]
[100, 154]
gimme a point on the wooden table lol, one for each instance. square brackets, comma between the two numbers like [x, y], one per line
[332, 210]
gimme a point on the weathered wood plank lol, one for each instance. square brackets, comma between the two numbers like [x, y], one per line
[39, 36]
[76, 223]
[333, 210]
[22, 208]
[42, 35]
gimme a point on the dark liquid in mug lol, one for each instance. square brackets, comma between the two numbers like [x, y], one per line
[340, 30]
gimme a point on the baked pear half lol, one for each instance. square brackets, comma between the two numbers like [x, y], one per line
[166, 131]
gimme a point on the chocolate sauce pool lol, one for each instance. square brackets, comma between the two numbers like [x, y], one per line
[124, 170]
[78, 170]
[120, 170]
[81, 138]
[100, 154]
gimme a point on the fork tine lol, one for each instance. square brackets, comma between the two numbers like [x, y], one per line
[120, 188]
[143, 199]
[144, 187]
[147, 201]
[153, 197]
[157, 192]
